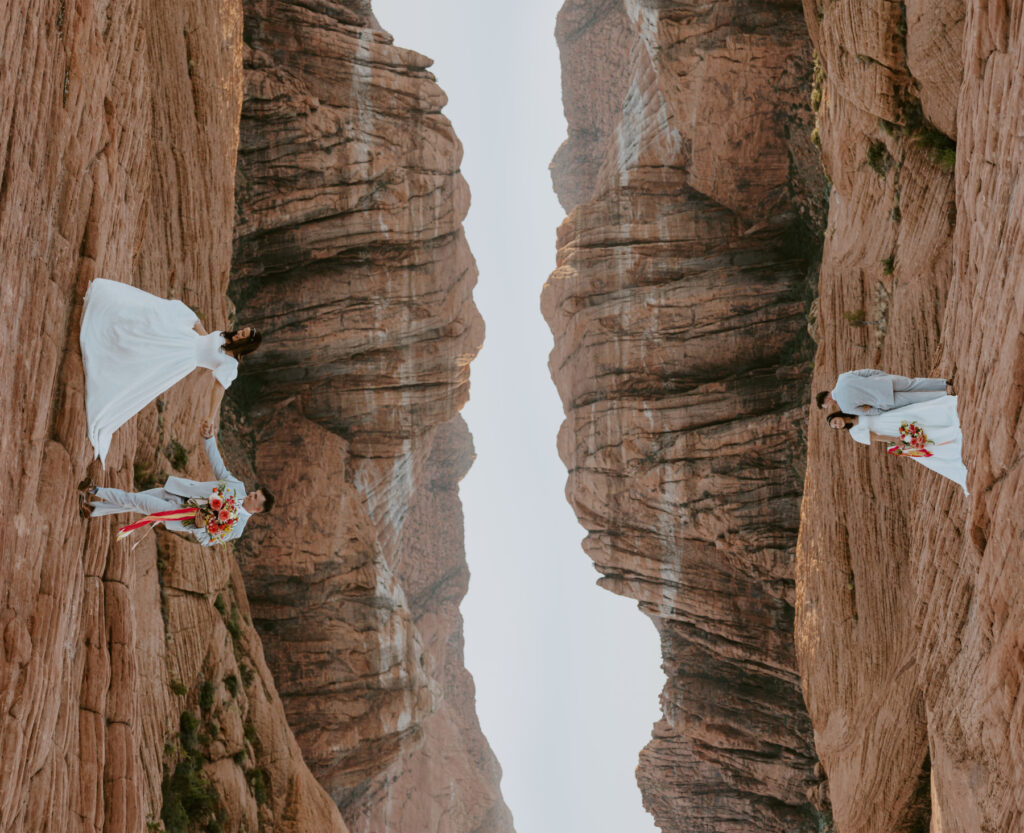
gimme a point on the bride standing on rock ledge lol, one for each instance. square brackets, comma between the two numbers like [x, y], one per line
[927, 432]
[136, 345]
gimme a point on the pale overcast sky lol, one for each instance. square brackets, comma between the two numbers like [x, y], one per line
[567, 674]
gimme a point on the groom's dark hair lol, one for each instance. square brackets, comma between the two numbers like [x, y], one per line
[268, 499]
[821, 397]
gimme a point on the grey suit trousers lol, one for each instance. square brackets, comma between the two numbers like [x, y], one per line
[115, 501]
[907, 391]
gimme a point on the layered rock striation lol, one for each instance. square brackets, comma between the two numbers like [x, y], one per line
[350, 257]
[449, 782]
[132, 685]
[908, 624]
[679, 310]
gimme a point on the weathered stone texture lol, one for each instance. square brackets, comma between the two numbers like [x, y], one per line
[887, 261]
[339, 636]
[907, 620]
[450, 782]
[350, 257]
[592, 91]
[349, 176]
[118, 137]
[681, 355]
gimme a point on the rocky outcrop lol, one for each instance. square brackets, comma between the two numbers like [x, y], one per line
[349, 250]
[339, 636]
[350, 257]
[681, 355]
[450, 781]
[132, 685]
[592, 91]
[908, 619]
[887, 261]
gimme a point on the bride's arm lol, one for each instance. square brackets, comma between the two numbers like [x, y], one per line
[883, 438]
[198, 327]
[216, 395]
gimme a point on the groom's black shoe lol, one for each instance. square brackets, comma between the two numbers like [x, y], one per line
[84, 507]
[86, 494]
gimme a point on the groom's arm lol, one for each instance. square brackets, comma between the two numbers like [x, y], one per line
[220, 471]
[849, 395]
[192, 535]
[866, 395]
[201, 536]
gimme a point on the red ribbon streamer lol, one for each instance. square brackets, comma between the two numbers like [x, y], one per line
[184, 514]
[911, 452]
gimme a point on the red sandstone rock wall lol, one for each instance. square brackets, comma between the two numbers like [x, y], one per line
[349, 248]
[350, 256]
[118, 136]
[450, 781]
[681, 354]
[908, 621]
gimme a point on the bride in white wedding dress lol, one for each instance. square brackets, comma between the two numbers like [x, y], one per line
[135, 346]
[936, 417]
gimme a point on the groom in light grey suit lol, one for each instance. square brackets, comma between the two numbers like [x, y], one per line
[871, 391]
[99, 501]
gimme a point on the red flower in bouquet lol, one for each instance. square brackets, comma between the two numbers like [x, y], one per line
[914, 436]
[218, 514]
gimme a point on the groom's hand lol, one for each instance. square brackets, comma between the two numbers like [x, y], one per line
[206, 429]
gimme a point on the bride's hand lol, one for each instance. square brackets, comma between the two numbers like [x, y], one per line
[206, 429]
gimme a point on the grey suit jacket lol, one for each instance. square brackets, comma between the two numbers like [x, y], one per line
[857, 388]
[881, 391]
[185, 488]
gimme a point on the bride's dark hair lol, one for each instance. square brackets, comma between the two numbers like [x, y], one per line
[243, 347]
[846, 425]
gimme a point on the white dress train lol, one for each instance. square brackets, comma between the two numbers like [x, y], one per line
[134, 347]
[939, 419]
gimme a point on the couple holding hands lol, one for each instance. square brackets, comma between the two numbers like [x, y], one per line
[134, 347]
[917, 418]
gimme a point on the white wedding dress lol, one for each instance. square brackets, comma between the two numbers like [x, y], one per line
[134, 347]
[938, 418]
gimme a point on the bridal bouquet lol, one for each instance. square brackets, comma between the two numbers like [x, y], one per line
[914, 439]
[218, 514]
